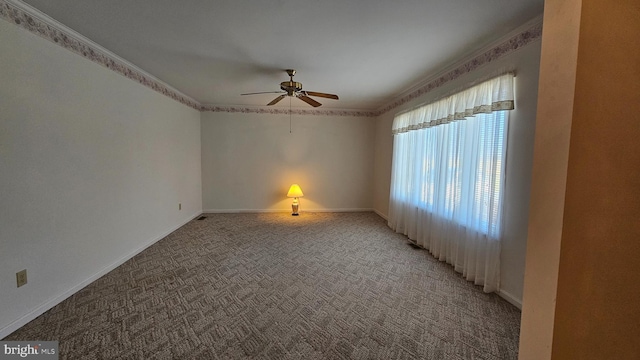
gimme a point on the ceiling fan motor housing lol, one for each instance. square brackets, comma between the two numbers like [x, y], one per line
[290, 86]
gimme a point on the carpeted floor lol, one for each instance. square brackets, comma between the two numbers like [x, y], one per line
[273, 286]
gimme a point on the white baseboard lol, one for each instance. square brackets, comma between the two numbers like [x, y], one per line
[381, 214]
[238, 211]
[340, 210]
[20, 322]
[510, 298]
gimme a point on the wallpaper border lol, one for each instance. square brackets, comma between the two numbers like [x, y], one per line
[286, 111]
[31, 19]
[504, 48]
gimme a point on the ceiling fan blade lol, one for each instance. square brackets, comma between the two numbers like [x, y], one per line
[324, 95]
[309, 100]
[264, 92]
[275, 101]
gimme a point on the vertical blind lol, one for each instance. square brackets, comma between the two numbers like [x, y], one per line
[448, 178]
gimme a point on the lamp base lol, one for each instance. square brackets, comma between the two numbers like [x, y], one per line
[295, 214]
[294, 208]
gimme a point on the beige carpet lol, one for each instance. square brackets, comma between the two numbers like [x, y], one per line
[273, 286]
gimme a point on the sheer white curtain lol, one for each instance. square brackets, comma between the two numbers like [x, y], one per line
[448, 178]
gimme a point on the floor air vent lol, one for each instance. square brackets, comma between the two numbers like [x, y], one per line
[414, 246]
[202, 218]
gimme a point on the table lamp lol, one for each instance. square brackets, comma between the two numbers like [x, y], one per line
[295, 192]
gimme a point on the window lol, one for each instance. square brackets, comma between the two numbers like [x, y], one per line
[448, 177]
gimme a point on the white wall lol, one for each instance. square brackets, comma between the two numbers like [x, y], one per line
[249, 161]
[92, 168]
[526, 62]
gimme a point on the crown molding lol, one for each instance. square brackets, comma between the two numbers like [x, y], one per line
[516, 39]
[37, 22]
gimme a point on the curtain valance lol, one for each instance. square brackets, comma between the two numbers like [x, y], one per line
[492, 95]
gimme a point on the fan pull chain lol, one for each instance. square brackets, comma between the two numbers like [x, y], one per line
[289, 114]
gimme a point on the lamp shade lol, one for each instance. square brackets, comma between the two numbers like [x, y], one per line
[295, 191]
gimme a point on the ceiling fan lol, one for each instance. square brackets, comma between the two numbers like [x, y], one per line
[294, 89]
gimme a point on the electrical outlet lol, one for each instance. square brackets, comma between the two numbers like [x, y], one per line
[180, 206]
[21, 277]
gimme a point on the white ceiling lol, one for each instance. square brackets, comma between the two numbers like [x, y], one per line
[367, 52]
